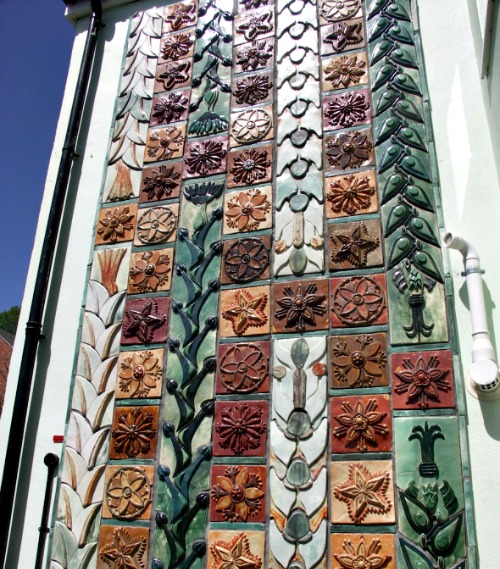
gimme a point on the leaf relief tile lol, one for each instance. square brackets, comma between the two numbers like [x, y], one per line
[246, 260]
[122, 547]
[354, 245]
[244, 311]
[248, 210]
[352, 194]
[243, 368]
[134, 432]
[156, 225]
[128, 492]
[139, 374]
[116, 224]
[150, 271]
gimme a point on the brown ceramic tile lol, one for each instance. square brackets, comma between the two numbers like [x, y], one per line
[246, 260]
[248, 210]
[351, 108]
[349, 150]
[345, 71]
[128, 492]
[255, 25]
[243, 368]
[134, 432]
[240, 548]
[364, 550]
[343, 36]
[359, 360]
[116, 224]
[117, 543]
[251, 125]
[145, 321]
[173, 75]
[300, 306]
[240, 428]
[361, 423]
[165, 143]
[358, 301]
[238, 493]
[351, 194]
[156, 225]
[245, 311]
[252, 89]
[354, 245]
[362, 492]
[254, 55]
[161, 182]
[423, 380]
[150, 271]
[139, 374]
[205, 158]
[176, 46]
[250, 166]
[170, 108]
[179, 16]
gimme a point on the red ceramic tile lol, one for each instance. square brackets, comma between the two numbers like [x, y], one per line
[243, 368]
[250, 166]
[361, 423]
[170, 108]
[351, 194]
[206, 157]
[240, 428]
[254, 55]
[246, 260]
[351, 108]
[133, 432]
[423, 380]
[145, 321]
[354, 245]
[358, 301]
[161, 182]
[238, 493]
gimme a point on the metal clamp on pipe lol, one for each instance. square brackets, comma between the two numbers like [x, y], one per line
[484, 369]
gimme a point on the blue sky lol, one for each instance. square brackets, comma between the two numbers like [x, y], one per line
[35, 48]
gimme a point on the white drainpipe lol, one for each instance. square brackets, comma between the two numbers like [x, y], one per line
[484, 369]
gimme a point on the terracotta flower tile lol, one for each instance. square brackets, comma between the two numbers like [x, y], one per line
[139, 374]
[358, 301]
[156, 225]
[165, 143]
[251, 125]
[351, 108]
[372, 551]
[342, 36]
[246, 260]
[206, 157]
[345, 71]
[180, 15]
[248, 210]
[361, 423]
[173, 75]
[354, 245]
[300, 306]
[176, 46]
[252, 89]
[134, 432]
[238, 493]
[243, 368]
[229, 549]
[116, 224]
[245, 311]
[254, 55]
[349, 150]
[145, 321]
[122, 545]
[128, 492]
[423, 380]
[359, 360]
[161, 182]
[254, 25]
[240, 428]
[170, 108]
[150, 271]
[362, 492]
[250, 166]
[351, 194]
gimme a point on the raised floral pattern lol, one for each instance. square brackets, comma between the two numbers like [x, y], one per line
[358, 301]
[251, 126]
[250, 166]
[352, 247]
[246, 260]
[345, 34]
[234, 554]
[156, 225]
[334, 10]
[349, 150]
[205, 158]
[128, 493]
[139, 373]
[362, 556]
[175, 73]
[133, 432]
[347, 109]
[256, 25]
[238, 494]
[252, 89]
[345, 71]
[246, 310]
[243, 368]
[170, 108]
[149, 271]
[124, 551]
[181, 15]
[240, 428]
[176, 46]
[161, 183]
[255, 55]
[116, 224]
[247, 210]
[299, 306]
[164, 143]
[350, 194]
[142, 319]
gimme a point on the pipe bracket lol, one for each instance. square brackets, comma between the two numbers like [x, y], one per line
[472, 271]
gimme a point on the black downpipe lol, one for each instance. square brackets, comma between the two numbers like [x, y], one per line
[34, 325]
[51, 462]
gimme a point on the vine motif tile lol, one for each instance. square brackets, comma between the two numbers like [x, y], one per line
[205, 158]
[139, 374]
[351, 194]
[248, 210]
[373, 551]
[240, 428]
[134, 432]
[349, 150]
[177, 46]
[346, 110]
[253, 89]
[116, 224]
[235, 549]
[423, 380]
[358, 301]
[173, 75]
[150, 271]
[345, 71]
[170, 108]
[145, 321]
[156, 225]
[127, 546]
[251, 125]
[254, 55]
[243, 368]
[246, 260]
[362, 492]
[361, 424]
[342, 36]
[165, 143]
[250, 166]
[354, 245]
[179, 16]
[238, 493]
[255, 25]
[245, 311]
[161, 182]
[359, 360]
[128, 492]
